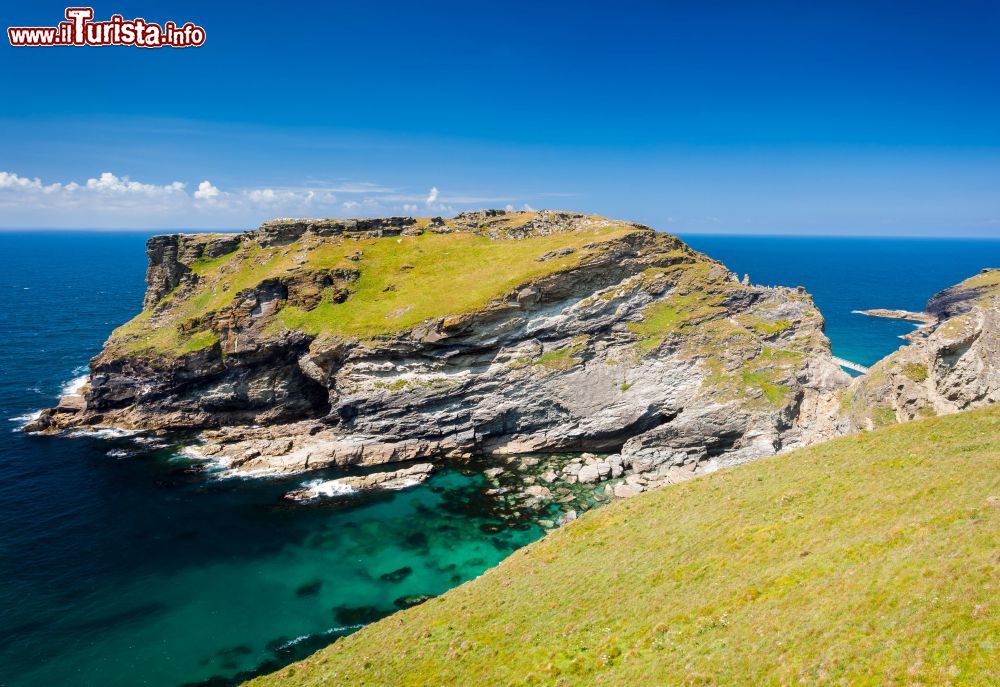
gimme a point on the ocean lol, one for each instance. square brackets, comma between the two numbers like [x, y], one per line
[122, 563]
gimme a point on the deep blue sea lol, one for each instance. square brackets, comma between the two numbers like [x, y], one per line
[123, 565]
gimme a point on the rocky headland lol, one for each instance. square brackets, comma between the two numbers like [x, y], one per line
[311, 343]
[308, 344]
[950, 364]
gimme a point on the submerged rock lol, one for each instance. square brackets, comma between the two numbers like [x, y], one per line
[412, 600]
[357, 615]
[397, 575]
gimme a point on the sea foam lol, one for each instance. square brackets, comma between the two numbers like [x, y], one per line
[331, 487]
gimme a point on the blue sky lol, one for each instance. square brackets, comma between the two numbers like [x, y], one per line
[868, 118]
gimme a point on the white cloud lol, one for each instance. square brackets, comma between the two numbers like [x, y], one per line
[109, 183]
[291, 197]
[262, 195]
[110, 200]
[10, 180]
[207, 191]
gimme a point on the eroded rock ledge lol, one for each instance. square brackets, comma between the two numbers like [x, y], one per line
[311, 343]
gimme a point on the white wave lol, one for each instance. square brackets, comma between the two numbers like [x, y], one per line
[330, 631]
[219, 466]
[120, 453]
[215, 462]
[331, 487]
[73, 386]
[292, 642]
[99, 432]
[23, 420]
[27, 417]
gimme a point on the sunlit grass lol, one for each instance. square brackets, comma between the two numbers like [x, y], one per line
[868, 560]
[401, 282]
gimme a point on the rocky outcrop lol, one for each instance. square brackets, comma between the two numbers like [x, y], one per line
[895, 314]
[170, 257]
[395, 479]
[610, 338]
[949, 365]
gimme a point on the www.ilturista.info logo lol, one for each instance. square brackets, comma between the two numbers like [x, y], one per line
[80, 29]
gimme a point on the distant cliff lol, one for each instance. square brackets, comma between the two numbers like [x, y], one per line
[307, 343]
[950, 364]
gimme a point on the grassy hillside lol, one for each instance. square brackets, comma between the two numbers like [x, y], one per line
[386, 285]
[868, 560]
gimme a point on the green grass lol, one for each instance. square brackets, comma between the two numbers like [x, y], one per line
[404, 282]
[868, 560]
[883, 416]
[199, 340]
[561, 358]
[989, 282]
[764, 327]
[222, 278]
[915, 371]
[678, 313]
[764, 380]
[764, 372]
[401, 282]
[207, 265]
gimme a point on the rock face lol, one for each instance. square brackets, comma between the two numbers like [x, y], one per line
[309, 343]
[949, 365]
[895, 314]
[395, 479]
[169, 257]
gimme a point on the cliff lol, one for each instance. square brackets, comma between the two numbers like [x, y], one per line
[950, 364]
[307, 343]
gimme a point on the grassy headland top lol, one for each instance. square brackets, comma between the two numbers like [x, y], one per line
[360, 279]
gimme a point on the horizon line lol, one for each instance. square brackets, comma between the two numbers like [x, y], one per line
[694, 232]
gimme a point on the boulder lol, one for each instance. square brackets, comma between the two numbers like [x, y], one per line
[568, 516]
[624, 491]
[588, 474]
[538, 491]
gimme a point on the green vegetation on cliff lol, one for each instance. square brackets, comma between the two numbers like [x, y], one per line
[868, 560]
[406, 280]
[381, 285]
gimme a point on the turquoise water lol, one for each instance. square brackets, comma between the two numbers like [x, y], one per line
[122, 564]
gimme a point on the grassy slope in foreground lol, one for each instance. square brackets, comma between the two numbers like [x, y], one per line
[870, 559]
